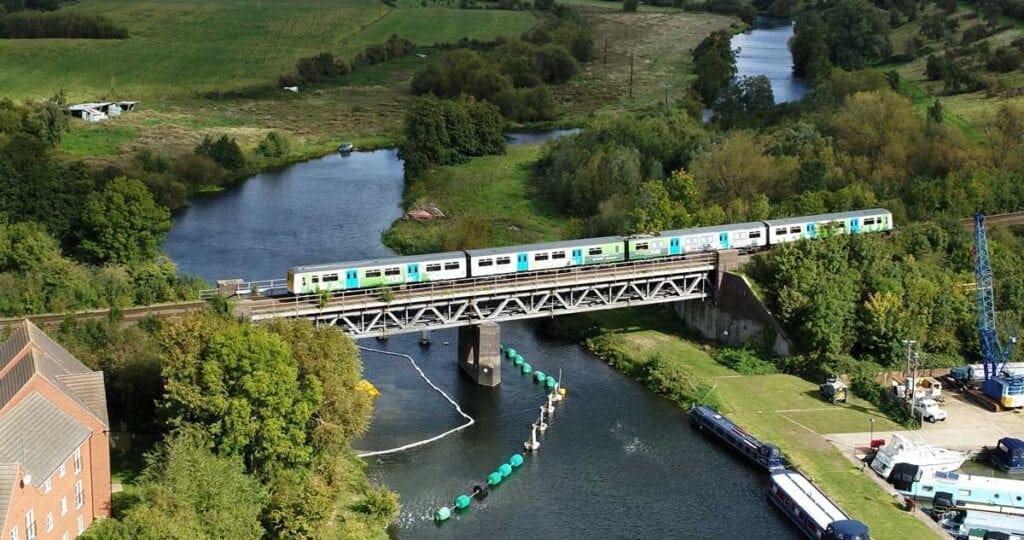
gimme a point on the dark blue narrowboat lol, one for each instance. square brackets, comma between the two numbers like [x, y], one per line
[810, 510]
[763, 454]
[1008, 455]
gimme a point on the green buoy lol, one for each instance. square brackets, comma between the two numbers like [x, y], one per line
[462, 501]
[516, 460]
[527, 368]
[539, 375]
[519, 361]
[510, 352]
[505, 469]
[501, 348]
[442, 514]
[494, 478]
[550, 382]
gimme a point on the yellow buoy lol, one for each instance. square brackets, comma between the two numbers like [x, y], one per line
[368, 387]
[561, 391]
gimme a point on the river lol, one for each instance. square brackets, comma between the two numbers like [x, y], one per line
[764, 50]
[617, 462]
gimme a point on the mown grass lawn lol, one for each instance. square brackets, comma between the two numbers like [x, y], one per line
[180, 46]
[486, 201]
[782, 409]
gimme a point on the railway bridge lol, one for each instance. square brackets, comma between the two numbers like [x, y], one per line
[477, 305]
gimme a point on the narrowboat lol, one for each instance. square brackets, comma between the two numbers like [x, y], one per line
[959, 523]
[1008, 455]
[969, 492]
[767, 456]
[810, 510]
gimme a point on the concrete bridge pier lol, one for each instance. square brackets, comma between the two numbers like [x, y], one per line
[479, 355]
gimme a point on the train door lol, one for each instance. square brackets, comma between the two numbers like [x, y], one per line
[413, 274]
[673, 246]
[522, 262]
[811, 232]
[577, 257]
[351, 279]
[854, 225]
[723, 240]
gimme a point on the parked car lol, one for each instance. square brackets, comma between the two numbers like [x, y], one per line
[929, 409]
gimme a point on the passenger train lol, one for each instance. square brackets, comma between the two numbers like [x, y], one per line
[452, 265]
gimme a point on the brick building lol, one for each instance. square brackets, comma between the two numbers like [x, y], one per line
[54, 441]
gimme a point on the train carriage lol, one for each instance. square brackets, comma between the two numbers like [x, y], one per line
[781, 231]
[377, 272]
[743, 236]
[546, 256]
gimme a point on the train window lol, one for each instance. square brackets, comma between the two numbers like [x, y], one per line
[869, 221]
[841, 224]
[755, 234]
[705, 239]
[691, 241]
[595, 251]
[557, 254]
[452, 266]
[316, 279]
[330, 277]
[372, 273]
[740, 236]
[780, 230]
[486, 262]
[504, 260]
[540, 257]
[392, 271]
[434, 267]
[643, 245]
[794, 230]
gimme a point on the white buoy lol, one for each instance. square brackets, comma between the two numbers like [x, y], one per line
[540, 425]
[558, 386]
[549, 408]
[533, 444]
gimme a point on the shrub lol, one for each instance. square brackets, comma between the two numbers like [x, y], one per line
[321, 67]
[34, 25]
[224, 152]
[274, 145]
[199, 170]
[743, 361]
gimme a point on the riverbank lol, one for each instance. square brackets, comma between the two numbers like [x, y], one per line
[782, 409]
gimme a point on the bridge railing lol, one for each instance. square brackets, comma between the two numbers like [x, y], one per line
[443, 290]
[263, 287]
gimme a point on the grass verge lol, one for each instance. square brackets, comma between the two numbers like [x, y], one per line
[782, 409]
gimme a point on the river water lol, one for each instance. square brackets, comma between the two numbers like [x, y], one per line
[617, 462]
[764, 50]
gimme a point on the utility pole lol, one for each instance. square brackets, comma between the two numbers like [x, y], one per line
[666, 86]
[906, 379]
[630, 75]
[605, 50]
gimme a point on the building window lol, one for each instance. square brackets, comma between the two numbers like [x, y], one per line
[47, 486]
[81, 524]
[78, 460]
[14, 533]
[63, 505]
[61, 470]
[49, 521]
[30, 524]
[79, 494]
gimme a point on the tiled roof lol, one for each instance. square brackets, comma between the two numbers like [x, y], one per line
[39, 436]
[47, 358]
[8, 474]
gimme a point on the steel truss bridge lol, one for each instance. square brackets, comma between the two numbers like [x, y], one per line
[448, 304]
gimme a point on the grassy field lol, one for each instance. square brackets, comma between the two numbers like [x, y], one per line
[486, 201]
[181, 46]
[783, 409]
[971, 112]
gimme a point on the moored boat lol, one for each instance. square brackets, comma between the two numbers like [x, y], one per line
[811, 510]
[761, 453]
[1008, 455]
[346, 148]
[960, 523]
[928, 458]
[969, 492]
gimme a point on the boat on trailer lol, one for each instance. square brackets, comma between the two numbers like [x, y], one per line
[811, 510]
[765, 455]
[928, 458]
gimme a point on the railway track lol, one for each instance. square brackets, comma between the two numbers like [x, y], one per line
[1012, 218]
[133, 314]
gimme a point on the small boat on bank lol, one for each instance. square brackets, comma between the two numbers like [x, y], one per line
[1008, 455]
[346, 148]
[811, 510]
[968, 492]
[928, 458]
[765, 455]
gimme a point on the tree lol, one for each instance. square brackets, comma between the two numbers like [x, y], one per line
[935, 112]
[187, 492]
[238, 383]
[737, 168]
[629, 6]
[274, 145]
[198, 171]
[875, 133]
[224, 152]
[747, 102]
[935, 68]
[810, 48]
[122, 224]
[857, 33]
[714, 63]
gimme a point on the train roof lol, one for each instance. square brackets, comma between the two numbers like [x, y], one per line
[386, 261]
[714, 228]
[582, 242]
[827, 217]
[809, 498]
